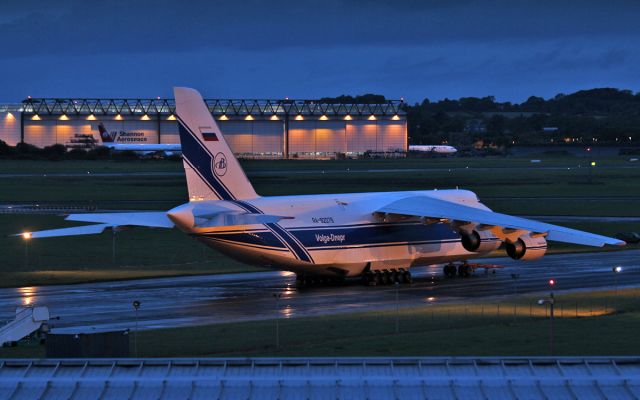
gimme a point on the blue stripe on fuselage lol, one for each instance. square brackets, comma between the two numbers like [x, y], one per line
[265, 238]
[371, 235]
[355, 236]
[290, 241]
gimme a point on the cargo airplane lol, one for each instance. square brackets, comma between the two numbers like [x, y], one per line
[433, 148]
[377, 236]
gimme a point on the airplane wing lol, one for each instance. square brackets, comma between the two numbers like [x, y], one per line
[104, 221]
[437, 209]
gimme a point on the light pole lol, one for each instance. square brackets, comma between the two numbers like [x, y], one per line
[136, 306]
[616, 270]
[551, 301]
[515, 278]
[277, 296]
[397, 285]
[26, 236]
[113, 247]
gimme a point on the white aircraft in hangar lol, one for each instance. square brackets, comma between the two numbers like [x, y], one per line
[433, 148]
[378, 236]
[110, 140]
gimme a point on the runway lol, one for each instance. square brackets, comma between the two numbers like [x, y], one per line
[329, 170]
[199, 300]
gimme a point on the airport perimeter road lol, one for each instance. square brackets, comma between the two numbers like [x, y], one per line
[328, 170]
[198, 300]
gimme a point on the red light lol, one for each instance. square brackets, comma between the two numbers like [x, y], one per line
[552, 282]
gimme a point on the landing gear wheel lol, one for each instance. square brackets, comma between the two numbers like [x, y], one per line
[464, 270]
[401, 276]
[384, 278]
[376, 278]
[449, 271]
[407, 277]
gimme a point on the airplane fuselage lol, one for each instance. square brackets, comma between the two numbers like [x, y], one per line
[335, 234]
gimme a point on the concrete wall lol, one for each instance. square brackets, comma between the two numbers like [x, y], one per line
[10, 127]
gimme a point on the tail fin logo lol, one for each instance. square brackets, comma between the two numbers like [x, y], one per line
[220, 164]
[105, 135]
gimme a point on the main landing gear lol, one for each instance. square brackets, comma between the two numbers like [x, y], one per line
[463, 270]
[307, 281]
[387, 277]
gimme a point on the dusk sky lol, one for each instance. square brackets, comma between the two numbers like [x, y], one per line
[310, 49]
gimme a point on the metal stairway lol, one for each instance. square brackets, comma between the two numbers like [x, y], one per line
[27, 321]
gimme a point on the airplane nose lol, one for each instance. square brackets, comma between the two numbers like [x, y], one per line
[182, 216]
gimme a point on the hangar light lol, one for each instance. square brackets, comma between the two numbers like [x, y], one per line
[274, 117]
[324, 117]
[249, 117]
[372, 117]
[35, 117]
[91, 117]
[395, 117]
[10, 116]
[145, 117]
[64, 117]
[348, 117]
[299, 117]
[119, 117]
[171, 117]
[223, 118]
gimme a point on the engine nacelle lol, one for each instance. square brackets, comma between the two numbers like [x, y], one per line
[479, 242]
[527, 248]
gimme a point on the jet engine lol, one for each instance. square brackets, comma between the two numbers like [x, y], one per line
[527, 248]
[479, 242]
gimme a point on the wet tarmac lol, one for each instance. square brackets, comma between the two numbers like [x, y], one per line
[199, 300]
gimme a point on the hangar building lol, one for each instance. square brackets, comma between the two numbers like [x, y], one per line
[253, 128]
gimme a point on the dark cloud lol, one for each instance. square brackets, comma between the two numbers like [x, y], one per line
[418, 49]
[77, 27]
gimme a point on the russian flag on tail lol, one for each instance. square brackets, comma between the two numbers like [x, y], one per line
[210, 136]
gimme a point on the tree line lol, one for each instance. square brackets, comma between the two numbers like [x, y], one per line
[595, 116]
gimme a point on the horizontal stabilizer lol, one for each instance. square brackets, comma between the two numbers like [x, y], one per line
[104, 221]
[151, 219]
[76, 230]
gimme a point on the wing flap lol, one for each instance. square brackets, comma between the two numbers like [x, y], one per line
[432, 208]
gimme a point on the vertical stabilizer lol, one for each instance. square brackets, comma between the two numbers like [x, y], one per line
[213, 173]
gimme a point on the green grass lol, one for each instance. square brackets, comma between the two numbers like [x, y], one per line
[607, 324]
[140, 253]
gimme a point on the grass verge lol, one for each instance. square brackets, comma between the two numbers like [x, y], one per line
[589, 323]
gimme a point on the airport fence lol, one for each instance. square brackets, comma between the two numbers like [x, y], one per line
[582, 321]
